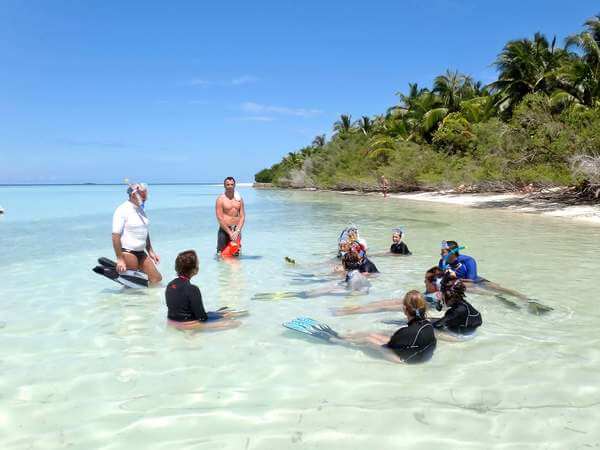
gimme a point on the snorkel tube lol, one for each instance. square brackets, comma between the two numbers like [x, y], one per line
[445, 246]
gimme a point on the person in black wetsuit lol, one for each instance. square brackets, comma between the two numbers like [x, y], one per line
[410, 344]
[460, 317]
[398, 247]
[184, 300]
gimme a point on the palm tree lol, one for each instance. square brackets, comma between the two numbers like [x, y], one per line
[344, 125]
[526, 66]
[580, 76]
[319, 141]
[453, 87]
[365, 124]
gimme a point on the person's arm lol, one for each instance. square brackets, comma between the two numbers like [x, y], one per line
[240, 224]
[196, 304]
[374, 307]
[118, 225]
[151, 253]
[116, 242]
[405, 250]
[220, 218]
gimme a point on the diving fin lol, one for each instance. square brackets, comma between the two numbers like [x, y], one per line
[507, 302]
[309, 326]
[535, 307]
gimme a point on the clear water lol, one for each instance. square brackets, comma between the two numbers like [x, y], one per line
[86, 364]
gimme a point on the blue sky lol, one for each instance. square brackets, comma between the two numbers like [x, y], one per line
[195, 91]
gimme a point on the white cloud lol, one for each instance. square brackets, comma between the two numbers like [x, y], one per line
[257, 108]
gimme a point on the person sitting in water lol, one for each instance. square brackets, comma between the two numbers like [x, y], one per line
[460, 317]
[464, 266]
[432, 296]
[354, 281]
[130, 235]
[398, 247]
[412, 343]
[184, 300]
[355, 242]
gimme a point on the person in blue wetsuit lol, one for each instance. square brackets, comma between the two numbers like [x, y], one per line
[184, 300]
[465, 269]
[464, 266]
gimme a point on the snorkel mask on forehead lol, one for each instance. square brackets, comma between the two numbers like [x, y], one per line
[399, 231]
[446, 246]
[135, 189]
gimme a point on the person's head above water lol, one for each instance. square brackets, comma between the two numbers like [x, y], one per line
[449, 251]
[397, 235]
[452, 288]
[415, 305]
[343, 247]
[138, 193]
[433, 279]
[186, 264]
[351, 261]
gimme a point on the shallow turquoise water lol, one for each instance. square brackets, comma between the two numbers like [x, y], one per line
[88, 365]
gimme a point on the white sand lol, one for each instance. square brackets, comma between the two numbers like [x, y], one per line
[525, 203]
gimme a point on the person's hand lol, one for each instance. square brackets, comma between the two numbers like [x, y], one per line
[121, 266]
[154, 257]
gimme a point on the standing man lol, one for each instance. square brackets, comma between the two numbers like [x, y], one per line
[130, 236]
[231, 215]
[385, 185]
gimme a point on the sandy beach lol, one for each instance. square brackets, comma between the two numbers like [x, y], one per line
[551, 202]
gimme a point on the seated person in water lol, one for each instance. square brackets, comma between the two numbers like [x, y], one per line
[432, 295]
[184, 300]
[412, 343]
[465, 269]
[354, 280]
[464, 266]
[398, 247]
[460, 317]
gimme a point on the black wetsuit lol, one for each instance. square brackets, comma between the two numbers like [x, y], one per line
[400, 249]
[415, 342]
[367, 266]
[461, 317]
[184, 301]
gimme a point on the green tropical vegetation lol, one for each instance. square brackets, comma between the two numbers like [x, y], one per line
[537, 124]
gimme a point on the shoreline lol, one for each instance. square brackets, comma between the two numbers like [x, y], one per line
[550, 202]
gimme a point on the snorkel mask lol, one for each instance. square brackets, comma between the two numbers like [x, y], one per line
[138, 190]
[445, 246]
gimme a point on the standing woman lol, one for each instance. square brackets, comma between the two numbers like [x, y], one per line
[130, 236]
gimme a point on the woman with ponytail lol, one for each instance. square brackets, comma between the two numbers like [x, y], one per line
[461, 317]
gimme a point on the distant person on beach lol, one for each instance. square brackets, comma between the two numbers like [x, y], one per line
[231, 216]
[130, 236]
[184, 300]
[385, 185]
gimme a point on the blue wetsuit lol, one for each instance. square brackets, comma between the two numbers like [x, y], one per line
[465, 268]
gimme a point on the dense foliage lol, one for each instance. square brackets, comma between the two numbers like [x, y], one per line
[538, 123]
